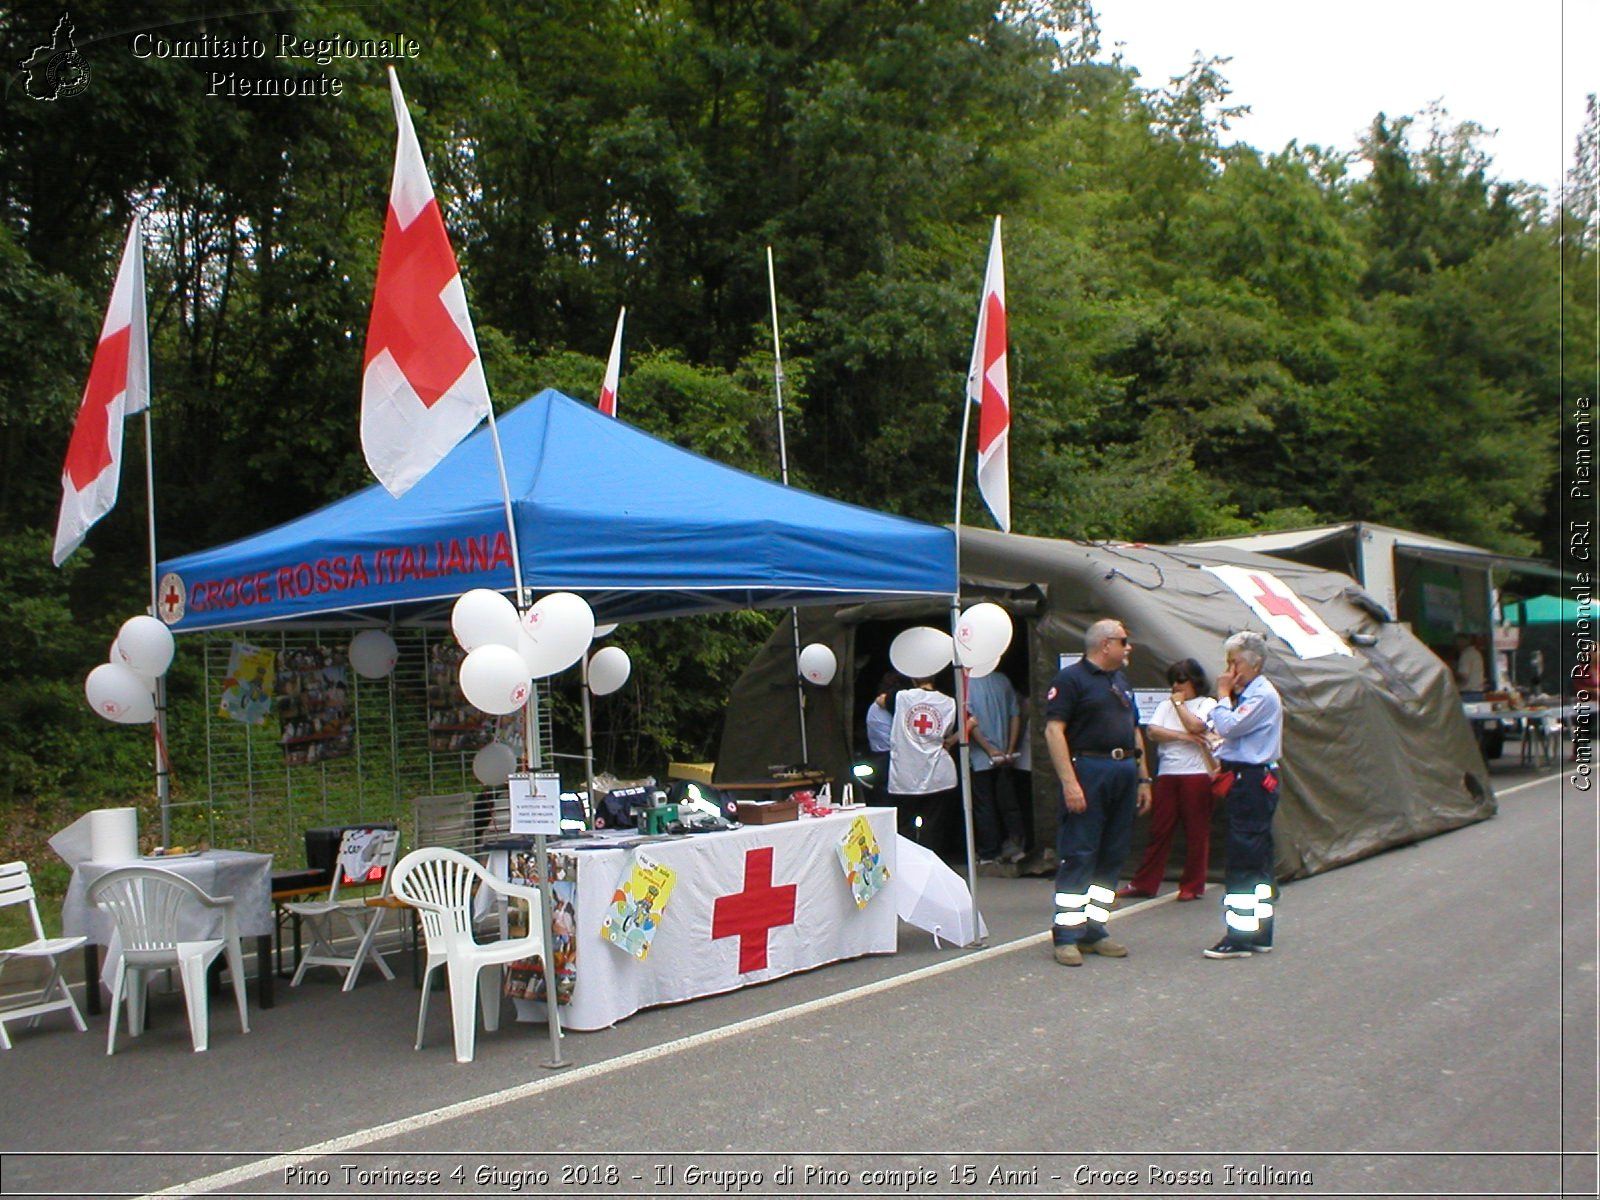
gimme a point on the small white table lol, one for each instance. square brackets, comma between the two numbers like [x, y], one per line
[245, 876]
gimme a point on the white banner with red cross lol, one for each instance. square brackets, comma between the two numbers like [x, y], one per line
[752, 904]
[1284, 613]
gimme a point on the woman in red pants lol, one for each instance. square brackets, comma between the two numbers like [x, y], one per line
[1182, 785]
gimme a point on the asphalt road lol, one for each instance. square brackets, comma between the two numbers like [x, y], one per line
[1426, 1026]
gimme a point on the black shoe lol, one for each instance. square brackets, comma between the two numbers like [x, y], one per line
[1228, 948]
[1262, 949]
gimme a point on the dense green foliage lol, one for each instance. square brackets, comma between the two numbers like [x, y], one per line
[1203, 338]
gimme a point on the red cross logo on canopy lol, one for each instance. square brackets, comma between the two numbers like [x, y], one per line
[170, 605]
[752, 914]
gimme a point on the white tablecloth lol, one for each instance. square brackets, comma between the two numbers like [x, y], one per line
[245, 876]
[685, 960]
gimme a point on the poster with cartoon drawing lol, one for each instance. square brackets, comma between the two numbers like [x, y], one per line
[247, 688]
[639, 905]
[862, 862]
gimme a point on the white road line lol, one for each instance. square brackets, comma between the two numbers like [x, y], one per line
[539, 1087]
[438, 1116]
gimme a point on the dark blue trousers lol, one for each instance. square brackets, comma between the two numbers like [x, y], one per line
[1251, 803]
[1093, 844]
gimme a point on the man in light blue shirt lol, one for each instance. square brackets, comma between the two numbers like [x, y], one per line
[1249, 718]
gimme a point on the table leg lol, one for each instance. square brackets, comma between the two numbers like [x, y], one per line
[264, 971]
[91, 979]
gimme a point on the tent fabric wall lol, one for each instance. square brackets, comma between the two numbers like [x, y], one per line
[1376, 750]
[641, 528]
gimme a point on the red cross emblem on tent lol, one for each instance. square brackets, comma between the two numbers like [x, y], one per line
[169, 606]
[1280, 605]
[752, 914]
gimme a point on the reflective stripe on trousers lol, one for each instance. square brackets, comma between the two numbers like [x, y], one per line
[1074, 908]
[1245, 911]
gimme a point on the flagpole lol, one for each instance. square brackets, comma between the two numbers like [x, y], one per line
[159, 722]
[783, 467]
[961, 676]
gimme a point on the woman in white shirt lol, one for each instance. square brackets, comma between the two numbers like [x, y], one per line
[1182, 786]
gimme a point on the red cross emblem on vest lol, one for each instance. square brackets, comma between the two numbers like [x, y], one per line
[922, 723]
[753, 913]
[1281, 606]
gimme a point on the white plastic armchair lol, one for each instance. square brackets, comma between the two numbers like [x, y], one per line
[375, 849]
[439, 883]
[146, 904]
[16, 887]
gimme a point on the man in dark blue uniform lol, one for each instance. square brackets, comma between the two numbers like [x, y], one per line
[1096, 747]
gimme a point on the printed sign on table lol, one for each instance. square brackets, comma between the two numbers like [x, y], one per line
[536, 803]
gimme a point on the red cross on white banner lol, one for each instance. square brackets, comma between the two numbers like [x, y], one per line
[1283, 612]
[752, 914]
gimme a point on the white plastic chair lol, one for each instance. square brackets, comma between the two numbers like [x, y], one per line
[16, 887]
[439, 884]
[371, 857]
[147, 903]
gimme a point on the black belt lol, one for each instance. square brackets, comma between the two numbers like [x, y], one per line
[1118, 753]
[1233, 764]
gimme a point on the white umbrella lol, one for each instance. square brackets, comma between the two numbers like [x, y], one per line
[931, 896]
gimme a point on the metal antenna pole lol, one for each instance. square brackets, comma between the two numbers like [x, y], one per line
[783, 467]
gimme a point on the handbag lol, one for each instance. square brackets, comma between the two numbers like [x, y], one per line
[1221, 785]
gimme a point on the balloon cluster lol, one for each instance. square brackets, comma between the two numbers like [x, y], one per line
[122, 689]
[506, 651]
[983, 632]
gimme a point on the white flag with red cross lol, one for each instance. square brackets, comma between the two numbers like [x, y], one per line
[118, 387]
[422, 386]
[608, 388]
[987, 387]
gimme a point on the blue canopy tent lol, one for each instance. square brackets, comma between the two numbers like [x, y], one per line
[640, 528]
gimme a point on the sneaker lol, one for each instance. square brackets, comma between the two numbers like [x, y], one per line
[1227, 948]
[1262, 949]
[1069, 955]
[1013, 854]
[986, 862]
[1106, 947]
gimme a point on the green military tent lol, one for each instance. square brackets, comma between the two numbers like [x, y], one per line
[1377, 752]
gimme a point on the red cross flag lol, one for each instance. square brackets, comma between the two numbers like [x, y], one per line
[988, 388]
[118, 387]
[422, 386]
[608, 389]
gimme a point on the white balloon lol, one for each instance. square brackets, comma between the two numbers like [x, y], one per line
[493, 764]
[982, 632]
[115, 656]
[609, 669]
[601, 631]
[920, 652]
[818, 664]
[144, 644]
[118, 694]
[484, 618]
[373, 653]
[982, 669]
[494, 679]
[560, 626]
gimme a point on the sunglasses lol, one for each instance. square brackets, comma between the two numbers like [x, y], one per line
[1125, 640]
